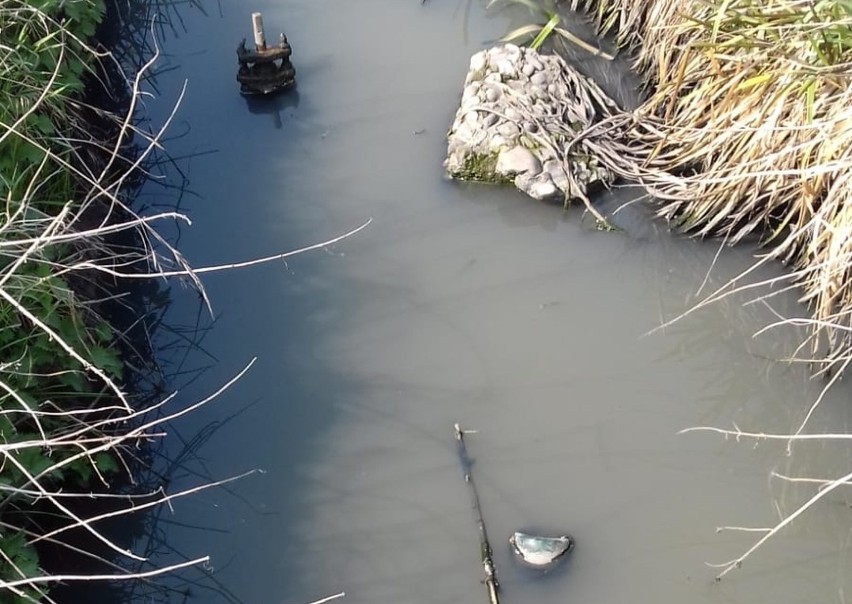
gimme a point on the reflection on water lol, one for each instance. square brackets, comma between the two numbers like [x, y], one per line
[470, 304]
[280, 106]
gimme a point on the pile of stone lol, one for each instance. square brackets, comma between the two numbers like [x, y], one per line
[528, 118]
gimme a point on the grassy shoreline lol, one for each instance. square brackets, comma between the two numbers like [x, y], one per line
[744, 134]
[751, 101]
[72, 420]
[81, 272]
[751, 109]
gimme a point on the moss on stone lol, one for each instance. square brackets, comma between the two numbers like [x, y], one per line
[481, 168]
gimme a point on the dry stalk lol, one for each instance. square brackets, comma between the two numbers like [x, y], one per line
[342, 594]
[64, 244]
[825, 486]
[748, 133]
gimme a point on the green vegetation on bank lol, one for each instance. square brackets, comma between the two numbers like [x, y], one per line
[61, 373]
[549, 13]
[81, 288]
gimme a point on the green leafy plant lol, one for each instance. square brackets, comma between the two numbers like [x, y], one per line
[68, 427]
[548, 12]
[19, 559]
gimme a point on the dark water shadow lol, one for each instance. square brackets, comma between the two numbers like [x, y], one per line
[279, 536]
[279, 107]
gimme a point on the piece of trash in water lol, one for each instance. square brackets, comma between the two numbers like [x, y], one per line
[538, 551]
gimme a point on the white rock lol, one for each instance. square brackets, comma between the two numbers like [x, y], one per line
[539, 186]
[536, 92]
[469, 101]
[506, 68]
[533, 98]
[529, 126]
[463, 132]
[512, 51]
[479, 137]
[508, 130]
[499, 143]
[517, 160]
[539, 78]
[557, 173]
[513, 114]
[478, 62]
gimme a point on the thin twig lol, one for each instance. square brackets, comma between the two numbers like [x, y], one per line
[485, 550]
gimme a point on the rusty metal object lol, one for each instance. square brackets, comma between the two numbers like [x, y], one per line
[266, 69]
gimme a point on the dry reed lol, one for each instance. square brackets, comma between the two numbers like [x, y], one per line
[748, 132]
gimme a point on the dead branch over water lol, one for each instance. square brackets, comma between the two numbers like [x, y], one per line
[485, 551]
[39, 250]
[748, 133]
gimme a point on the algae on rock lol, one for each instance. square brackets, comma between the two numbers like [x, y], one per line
[528, 119]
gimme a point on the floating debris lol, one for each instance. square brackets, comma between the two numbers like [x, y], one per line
[266, 69]
[485, 552]
[540, 552]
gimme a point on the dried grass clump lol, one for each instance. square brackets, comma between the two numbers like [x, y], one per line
[751, 112]
[748, 132]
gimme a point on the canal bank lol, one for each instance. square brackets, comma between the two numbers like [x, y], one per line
[467, 304]
[83, 397]
[459, 304]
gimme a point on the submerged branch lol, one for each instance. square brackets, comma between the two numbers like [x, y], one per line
[485, 551]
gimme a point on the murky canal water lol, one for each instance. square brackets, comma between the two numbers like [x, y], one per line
[470, 304]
